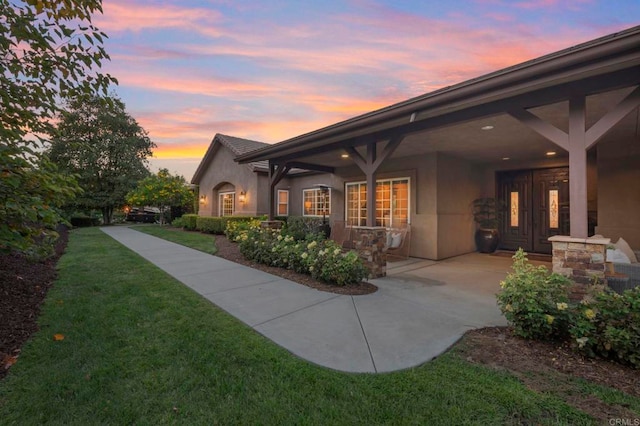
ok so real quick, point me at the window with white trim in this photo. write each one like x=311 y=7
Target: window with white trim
x=283 y=202
x=226 y=203
x=392 y=202
x=315 y=202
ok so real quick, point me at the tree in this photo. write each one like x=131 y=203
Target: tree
x=161 y=190
x=48 y=52
x=97 y=140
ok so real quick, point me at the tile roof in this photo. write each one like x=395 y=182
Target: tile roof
x=241 y=146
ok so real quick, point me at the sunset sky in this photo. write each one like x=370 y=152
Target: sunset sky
x=271 y=70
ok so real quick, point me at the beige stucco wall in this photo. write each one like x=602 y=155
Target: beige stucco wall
x=225 y=174
x=619 y=189
x=459 y=183
x=441 y=191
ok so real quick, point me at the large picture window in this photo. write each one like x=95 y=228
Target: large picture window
x=392 y=202
x=315 y=202
x=283 y=202
x=226 y=203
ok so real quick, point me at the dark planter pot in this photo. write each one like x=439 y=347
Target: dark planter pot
x=487 y=240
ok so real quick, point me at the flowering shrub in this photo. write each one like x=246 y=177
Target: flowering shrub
x=322 y=259
x=235 y=228
x=534 y=301
x=609 y=325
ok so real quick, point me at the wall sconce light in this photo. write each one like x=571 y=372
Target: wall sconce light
x=243 y=197
x=203 y=199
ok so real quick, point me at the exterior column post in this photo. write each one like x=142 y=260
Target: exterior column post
x=578 y=168
x=371 y=184
x=276 y=173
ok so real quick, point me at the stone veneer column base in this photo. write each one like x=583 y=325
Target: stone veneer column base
x=580 y=259
x=370 y=244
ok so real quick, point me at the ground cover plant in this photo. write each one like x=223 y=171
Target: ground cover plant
x=121 y=342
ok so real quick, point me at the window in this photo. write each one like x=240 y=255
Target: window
x=392 y=202
x=514 y=209
x=226 y=203
x=316 y=203
x=283 y=202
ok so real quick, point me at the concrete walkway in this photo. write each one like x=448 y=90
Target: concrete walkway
x=419 y=311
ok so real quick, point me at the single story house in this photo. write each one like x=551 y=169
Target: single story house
x=557 y=139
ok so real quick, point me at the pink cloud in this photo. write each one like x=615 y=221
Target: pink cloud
x=122 y=16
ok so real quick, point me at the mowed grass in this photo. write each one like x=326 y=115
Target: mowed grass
x=196 y=240
x=140 y=348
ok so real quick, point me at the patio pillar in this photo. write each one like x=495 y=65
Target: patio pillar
x=276 y=173
x=369 y=166
x=577 y=142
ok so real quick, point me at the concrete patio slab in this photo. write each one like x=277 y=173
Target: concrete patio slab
x=328 y=334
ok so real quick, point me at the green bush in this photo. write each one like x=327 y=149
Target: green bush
x=81 y=221
x=211 y=225
x=299 y=226
x=179 y=222
x=236 y=227
x=535 y=301
x=322 y=259
x=189 y=221
x=608 y=325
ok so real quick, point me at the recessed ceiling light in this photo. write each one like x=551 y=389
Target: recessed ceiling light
x=345 y=156
x=486 y=127
x=506 y=158
x=551 y=153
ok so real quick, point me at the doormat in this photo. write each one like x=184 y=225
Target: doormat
x=531 y=256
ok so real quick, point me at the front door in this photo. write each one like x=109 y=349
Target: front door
x=536 y=207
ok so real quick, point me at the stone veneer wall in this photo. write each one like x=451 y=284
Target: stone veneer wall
x=580 y=259
x=370 y=243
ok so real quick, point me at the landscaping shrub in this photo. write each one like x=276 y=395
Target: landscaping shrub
x=535 y=301
x=314 y=255
x=235 y=228
x=604 y=323
x=300 y=226
x=211 y=225
x=189 y=221
x=179 y=222
x=81 y=221
x=608 y=325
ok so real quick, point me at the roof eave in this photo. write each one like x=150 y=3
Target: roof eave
x=530 y=71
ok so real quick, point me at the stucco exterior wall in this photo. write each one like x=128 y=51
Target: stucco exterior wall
x=459 y=183
x=619 y=189
x=224 y=173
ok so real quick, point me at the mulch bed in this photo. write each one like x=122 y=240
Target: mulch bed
x=23 y=287
x=230 y=251
x=548 y=367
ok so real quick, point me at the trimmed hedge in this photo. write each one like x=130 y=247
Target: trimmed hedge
x=189 y=221
x=217 y=225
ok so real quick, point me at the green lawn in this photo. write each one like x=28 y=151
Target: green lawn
x=195 y=240
x=140 y=348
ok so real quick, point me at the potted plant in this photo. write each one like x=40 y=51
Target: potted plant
x=487 y=213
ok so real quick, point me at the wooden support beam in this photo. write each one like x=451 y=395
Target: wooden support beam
x=542 y=127
x=371 y=184
x=578 y=168
x=369 y=166
x=276 y=173
x=309 y=166
x=613 y=117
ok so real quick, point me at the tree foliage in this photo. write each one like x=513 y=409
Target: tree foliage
x=108 y=150
x=49 y=51
x=161 y=190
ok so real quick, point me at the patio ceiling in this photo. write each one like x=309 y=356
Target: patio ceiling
x=450 y=120
x=507 y=139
